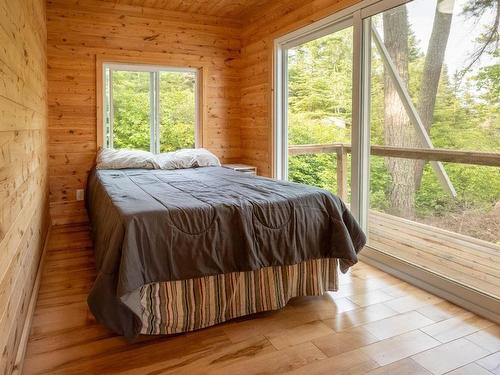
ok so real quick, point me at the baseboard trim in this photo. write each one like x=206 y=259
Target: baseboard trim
x=23 y=343
x=461 y=295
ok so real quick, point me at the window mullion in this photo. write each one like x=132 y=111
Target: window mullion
x=157 y=111
x=111 y=110
x=361 y=121
x=152 y=111
x=284 y=115
x=154 y=95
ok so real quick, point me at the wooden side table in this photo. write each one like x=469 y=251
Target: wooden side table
x=244 y=168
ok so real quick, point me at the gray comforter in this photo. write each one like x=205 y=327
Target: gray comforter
x=157 y=225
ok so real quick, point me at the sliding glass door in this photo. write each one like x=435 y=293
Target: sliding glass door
x=406 y=95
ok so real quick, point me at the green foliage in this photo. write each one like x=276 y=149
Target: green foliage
x=177 y=111
x=380 y=184
x=320 y=88
x=131 y=104
x=316 y=170
x=131 y=110
x=477 y=188
x=320 y=77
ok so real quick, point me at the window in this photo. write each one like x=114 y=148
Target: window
x=409 y=91
x=429 y=90
x=319 y=90
x=150 y=108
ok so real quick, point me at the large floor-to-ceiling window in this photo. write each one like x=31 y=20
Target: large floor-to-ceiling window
x=394 y=105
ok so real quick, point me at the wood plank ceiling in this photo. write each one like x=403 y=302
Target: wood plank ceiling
x=221 y=8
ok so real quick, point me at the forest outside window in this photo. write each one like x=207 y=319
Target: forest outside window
x=445 y=54
x=150 y=108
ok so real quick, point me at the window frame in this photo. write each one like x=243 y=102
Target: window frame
x=154 y=70
x=361 y=14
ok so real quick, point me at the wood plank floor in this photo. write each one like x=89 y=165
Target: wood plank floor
x=376 y=324
x=464 y=259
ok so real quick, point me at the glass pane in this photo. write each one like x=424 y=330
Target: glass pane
x=473 y=212
x=437 y=48
x=319 y=105
x=177 y=110
x=413 y=215
x=457 y=238
x=131 y=109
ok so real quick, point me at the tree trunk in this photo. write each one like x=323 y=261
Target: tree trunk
x=432 y=70
x=398 y=131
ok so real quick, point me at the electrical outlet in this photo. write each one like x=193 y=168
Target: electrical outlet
x=80 y=194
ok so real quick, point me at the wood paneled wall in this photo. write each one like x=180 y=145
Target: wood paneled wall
x=80 y=30
x=221 y=8
x=260 y=29
x=23 y=164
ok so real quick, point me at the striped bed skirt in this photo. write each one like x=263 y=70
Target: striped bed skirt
x=186 y=305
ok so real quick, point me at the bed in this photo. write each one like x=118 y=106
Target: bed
x=179 y=250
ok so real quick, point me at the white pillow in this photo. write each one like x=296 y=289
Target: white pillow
x=187 y=158
x=172 y=160
x=122 y=159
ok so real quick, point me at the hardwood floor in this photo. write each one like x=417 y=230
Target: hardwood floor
x=375 y=324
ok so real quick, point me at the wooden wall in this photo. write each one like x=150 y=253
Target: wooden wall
x=221 y=8
x=260 y=29
x=23 y=164
x=80 y=30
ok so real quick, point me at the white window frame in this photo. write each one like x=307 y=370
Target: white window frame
x=359 y=15
x=154 y=100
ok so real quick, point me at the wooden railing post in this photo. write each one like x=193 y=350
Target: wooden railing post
x=342 y=172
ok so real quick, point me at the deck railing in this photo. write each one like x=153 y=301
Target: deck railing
x=491 y=159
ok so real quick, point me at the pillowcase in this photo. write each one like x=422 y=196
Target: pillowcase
x=187 y=158
x=108 y=158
